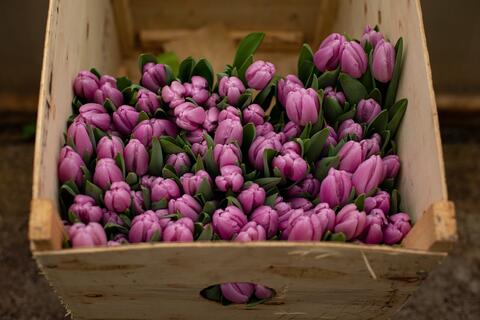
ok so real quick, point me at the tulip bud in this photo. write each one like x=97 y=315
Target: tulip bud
x=191 y=182
x=255 y=152
x=369 y=175
x=108 y=91
x=307 y=187
x=186 y=205
x=350 y=127
x=306 y=228
x=70 y=166
x=174 y=94
x=392 y=166
x=291 y=166
x=380 y=201
x=147 y=129
x=188 y=116
x=264 y=129
x=229 y=131
x=335 y=95
x=85 y=209
x=252 y=231
x=399 y=225
x=144 y=227
x=107 y=79
x=109 y=147
x=374 y=226
x=197 y=89
x=147 y=101
x=262 y=292
x=336 y=187
x=179 y=231
x=372 y=36
x=111 y=217
x=196 y=136
x=164 y=189
x=230 y=113
x=232 y=88
x=118 y=240
x=136 y=157
x=291 y=146
x=154 y=76
x=230 y=178
x=326 y=215
x=291 y=130
x=89 y=235
x=77 y=133
x=284 y=211
x=199 y=149
x=259 y=74
x=251 y=197
x=118 y=198
x=95 y=115
x=85 y=85
x=300 y=203
x=267 y=217
x=227 y=154
x=286 y=85
x=237 y=292
x=302 y=106
x=351 y=155
x=383 y=61
x=371 y=146
x=212 y=101
x=353 y=59
x=228 y=222
x=106 y=173
x=254 y=114
x=138 y=202
x=329 y=52
x=125 y=119
x=180 y=162
x=367 y=110
x=163 y=218
x=147 y=181
x=211 y=119
x=332 y=137
x=350 y=221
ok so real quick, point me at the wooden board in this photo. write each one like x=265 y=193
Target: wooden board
x=313 y=280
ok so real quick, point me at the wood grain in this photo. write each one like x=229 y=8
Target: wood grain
x=45 y=230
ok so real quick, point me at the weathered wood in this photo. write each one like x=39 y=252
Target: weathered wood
x=45 y=229
x=313 y=280
x=124 y=24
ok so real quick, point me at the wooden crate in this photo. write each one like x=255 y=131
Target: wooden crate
x=320 y=280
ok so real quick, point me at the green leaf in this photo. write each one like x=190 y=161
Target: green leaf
x=245 y=99
x=249 y=133
x=145 y=58
x=170 y=59
x=268 y=155
x=247 y=47
x=204 y=69
x=324 y=166
x=142 y=116
x=185 y=69
x=99 y=134
x=72 y=217
x=264 y=97
x=205 y=189
x=131 y=178
x=316 y=145
x=160 y=204
x=210 y=163
x=70 y=187
x=388 y=185
x=353 y=89
x=168 y=171
x=378 y=124
x=270 y=200
x=120 y=163
x=332 y=109
x=206 y=234
x=394 y=202
x=305 y=64
x=212 y=293
x=360 y=202
x=314 y=84
x=96 y=72
x=146 y=197
x=93 y=191
x=367 y=78
x=210 y=206
x=306 y=131
x=347 y=115
x=170 y=145
x=268 y=183
x=155 y=236
x=396 y=113
x=376 y=95
x=113 y=228
x=210 y=142
x=328 y=78
x=338 y=237
x=397 y=70
x=243 y=68
x=123 y=82
x=126 y=220
x=198 y=164
x=231 y=200
x=386 y=140
x=156 y=158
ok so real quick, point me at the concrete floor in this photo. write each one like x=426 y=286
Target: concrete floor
x=451 y=292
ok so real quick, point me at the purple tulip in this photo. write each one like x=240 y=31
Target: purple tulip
x=228 y=222
x=147 y=101
x=255 y=152
x=85 y=85
x=380 y=201
x=136 y=157
x=302 y=106
x=118 y=198
x=291 y=166
x=351 y=155
x=286 y=85
x=163 y=217
x=191 y=182
x=227 y=154
x=109 y=147
x=188 y=116
x=237 y=292
x=350 y=127
x=332 y=137
x=291 y=146
x=367 y=110
x=369 y=175
x=147 y=129
x=329 y=52
x=154 y=76
x=306 y=228
x=164 y=189
x=284 y=211
x=212 y=101
x=230 y=178
x=259 y=74
x=399 y=225
x=254 y=114
x=77 y=133
x=264 y=129
x=138 y=202
x=383 y=61
x=179 y=231
x=108 y=91
x=374 y=225
x=262 y=292
x=371 y=146
x=147 y=181
x=267 y=217
x=211 y=119
x=300 y=203
x=180 y=162
x=197 y=89
x=326 y=215
x=125 y=119
x=230 y=113
x=251 y=197
x=252 y=231
x=350 y=221
x=232 y=88
x=353 y=59
x=111 y=217
x=107 y=79
x=70 y=166
x=118 y=240
x=89 y=235
x=186 y=205
x=95 y=115
x=199 y=149
x=338 y=96
x=291 y=130
x=308 y=186
x=229 y=131
x=174 y=94
x=372 y=36
x=392 y=166
x=144 y=227
x=85 y=209
x=336 y=187
x=106 y=173
x=196 y=136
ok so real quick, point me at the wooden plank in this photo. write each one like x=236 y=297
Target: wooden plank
x=436 y=230
x=458 y=102
x=313 y=280
x=45 y=230
x=124 y=24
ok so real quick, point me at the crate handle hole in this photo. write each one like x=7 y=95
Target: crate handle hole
x=246 y=293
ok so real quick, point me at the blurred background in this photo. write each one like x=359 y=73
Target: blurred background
x=453 y=30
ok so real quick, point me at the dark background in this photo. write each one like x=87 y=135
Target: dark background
x=453 y=33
